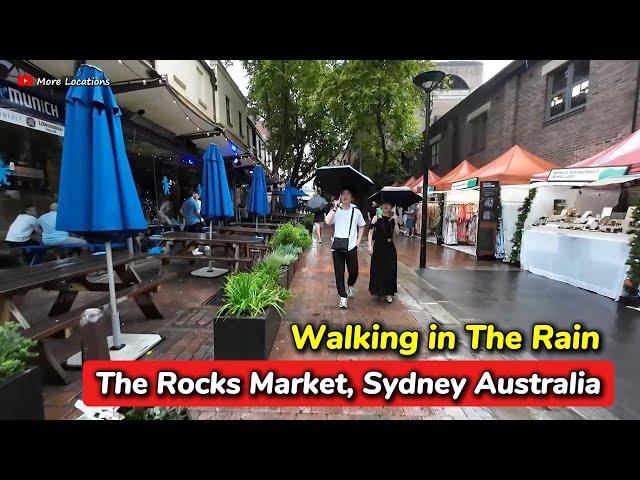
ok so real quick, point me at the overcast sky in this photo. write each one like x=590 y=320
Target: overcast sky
x=491 y=67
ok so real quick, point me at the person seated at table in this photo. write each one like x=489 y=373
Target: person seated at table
x=52 y=237
x=24 y=231
x=165 y=214
x=193 y=222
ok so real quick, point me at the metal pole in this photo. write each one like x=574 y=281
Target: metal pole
x=425 y=185
x=115 y=316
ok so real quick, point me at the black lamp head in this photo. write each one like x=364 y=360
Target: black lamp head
x=430 y=80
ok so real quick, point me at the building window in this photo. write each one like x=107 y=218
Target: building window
x=568 y=87
x=228 y=111
x=248 y=136
x=479 y=132
x=435 y=153
x=240 y=124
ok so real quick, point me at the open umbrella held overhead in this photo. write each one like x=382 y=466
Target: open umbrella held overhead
x=316 y=204
x=216 y=200
x=399 y=196
x=333 y=179
x=97 y=197
x=258 y=203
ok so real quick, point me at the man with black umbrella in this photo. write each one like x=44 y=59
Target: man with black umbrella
x=349 y=228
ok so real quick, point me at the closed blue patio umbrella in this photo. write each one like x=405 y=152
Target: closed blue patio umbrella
x=290 y=196
x=258 y=203
x=97 y=197
x=216 y=199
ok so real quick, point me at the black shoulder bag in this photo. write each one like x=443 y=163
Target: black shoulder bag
x=342 y=244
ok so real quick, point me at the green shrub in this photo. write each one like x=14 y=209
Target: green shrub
x=292 y=234
x=307 y=221
x=157 y=413
x=15 y=350
x=249 y=294
x=279 y=258
x=288 y=251
x=270 y=269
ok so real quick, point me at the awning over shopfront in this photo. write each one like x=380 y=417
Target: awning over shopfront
x=409 y=182
x=513 y=167
x=626 y=152
x=464 y=170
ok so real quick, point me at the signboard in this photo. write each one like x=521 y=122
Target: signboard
x=24 y=107
x=488 y=219
x=588 y=174
x=472 y=182
x=431 y=189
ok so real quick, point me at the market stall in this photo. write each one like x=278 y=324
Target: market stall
x=580 y=225
x=461 y=219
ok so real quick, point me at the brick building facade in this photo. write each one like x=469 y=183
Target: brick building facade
x=560 y=110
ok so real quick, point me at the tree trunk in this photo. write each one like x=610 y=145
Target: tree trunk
x=385 y=154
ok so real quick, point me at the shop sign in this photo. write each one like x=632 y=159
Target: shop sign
x=431 y=189
x=471 y=183
x=588 y=174
x=27 y=102
x=23 y=120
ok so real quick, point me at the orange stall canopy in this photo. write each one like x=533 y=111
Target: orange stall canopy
x=416 y=186
x=409 y=182
x=513 y=167
x=626 y=152
x=464 y=170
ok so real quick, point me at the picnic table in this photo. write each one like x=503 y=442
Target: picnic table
x=267 y=233
x=69 y=277
x=286 y=216
x=217 y=239
x=252 y=224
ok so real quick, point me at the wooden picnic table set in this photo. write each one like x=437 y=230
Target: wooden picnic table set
x=69 y=277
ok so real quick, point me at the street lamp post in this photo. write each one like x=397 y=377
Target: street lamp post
x=427 y=81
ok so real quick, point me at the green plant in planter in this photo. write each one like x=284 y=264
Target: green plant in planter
x=157 y=413
x=269 y=268
x=250 y=294
x=288 y=250
x=291 y=234
x=278 y=257
x=15 y=351
x=632 y=283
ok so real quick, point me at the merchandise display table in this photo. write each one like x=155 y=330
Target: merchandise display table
x=594 y=261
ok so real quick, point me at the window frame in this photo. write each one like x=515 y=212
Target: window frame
x=228 y=106
x=240 y=124
x=474 y=121
x=567 y=91
x=435 y=145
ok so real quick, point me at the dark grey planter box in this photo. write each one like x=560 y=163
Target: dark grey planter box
x=244 y=338
x=630 y=300
x=21 y=396
x=286 y=276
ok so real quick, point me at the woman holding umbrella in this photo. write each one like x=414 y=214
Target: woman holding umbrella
x=384 y=259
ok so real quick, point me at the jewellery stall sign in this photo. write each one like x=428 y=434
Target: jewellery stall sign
x=463 y=184
x=588 y=174
x=21 y=107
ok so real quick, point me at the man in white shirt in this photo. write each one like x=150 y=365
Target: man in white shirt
x=23 y=227
x=349 y=223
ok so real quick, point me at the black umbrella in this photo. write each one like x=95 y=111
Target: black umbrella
x=398 y=196
x=316 y=204
x=334 y=179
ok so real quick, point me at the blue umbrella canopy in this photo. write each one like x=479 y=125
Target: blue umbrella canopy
x=289 y=196
x=258 y=203
x=97 y=195
x=216 y=197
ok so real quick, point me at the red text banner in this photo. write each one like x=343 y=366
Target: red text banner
x=348 y=383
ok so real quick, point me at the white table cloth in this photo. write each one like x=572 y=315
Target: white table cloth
x=594 y=261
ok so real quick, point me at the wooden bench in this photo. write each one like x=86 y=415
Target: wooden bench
x=166 y=257
x=139 y=292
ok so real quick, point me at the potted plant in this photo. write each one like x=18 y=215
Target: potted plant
x=307 y=221
x=631 y=295
x=278 y=264
x=156 y=413
x=249 y=318
x=20 y=384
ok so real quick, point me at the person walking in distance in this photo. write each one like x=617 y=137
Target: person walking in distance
x=318 y=220
x=349 y=227
x=384 y=259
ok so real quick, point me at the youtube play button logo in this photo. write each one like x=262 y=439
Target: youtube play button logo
x=25 y=80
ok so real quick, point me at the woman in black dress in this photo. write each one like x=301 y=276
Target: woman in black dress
x=384 y=260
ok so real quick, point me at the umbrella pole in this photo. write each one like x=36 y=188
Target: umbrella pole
x=130 y=244
x=115 y=316
x=210 y=245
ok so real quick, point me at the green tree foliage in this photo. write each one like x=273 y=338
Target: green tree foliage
x=633 y=277
x=517 y=236
x=306 y=130
x=318 y=109
x=380 y=102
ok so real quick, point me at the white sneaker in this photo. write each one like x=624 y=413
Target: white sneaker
x=389 y=299
x=197 y=252
x=343 y=302
x=351 y=292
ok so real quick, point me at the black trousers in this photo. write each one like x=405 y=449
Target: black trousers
x=349 y=258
